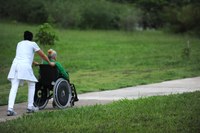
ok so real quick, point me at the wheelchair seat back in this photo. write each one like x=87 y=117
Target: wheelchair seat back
x=48 y=74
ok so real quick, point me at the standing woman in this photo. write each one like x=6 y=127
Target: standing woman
x=21 y=70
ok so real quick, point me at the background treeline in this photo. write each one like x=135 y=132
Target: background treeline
x=175 y=15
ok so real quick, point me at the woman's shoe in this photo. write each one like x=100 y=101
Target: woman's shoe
x=32 y=110
x=11 y=113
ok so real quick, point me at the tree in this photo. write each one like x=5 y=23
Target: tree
x=151 y=12
x=46 y=35
x=183 y=18
x=32 y=11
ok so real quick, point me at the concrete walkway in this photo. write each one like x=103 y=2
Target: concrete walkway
x=103 y=97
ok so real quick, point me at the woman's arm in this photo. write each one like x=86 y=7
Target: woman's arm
x=43 y=56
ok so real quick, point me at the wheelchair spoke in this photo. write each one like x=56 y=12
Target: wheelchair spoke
x=62 y=93
x=40 y=98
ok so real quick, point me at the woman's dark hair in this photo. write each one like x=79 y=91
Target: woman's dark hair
x=28 y=35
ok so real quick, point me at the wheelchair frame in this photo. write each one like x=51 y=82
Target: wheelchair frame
x=50 y=85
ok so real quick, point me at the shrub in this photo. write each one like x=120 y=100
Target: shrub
x=37 y=13
x=46 y=35
x=32 y=11
x=98 y=15
x=183 y=19
x=90 y=14
x=129 y=19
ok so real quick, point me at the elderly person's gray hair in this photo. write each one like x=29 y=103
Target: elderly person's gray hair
x=52 y=54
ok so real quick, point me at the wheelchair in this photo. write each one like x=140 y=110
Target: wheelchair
x=51 y=85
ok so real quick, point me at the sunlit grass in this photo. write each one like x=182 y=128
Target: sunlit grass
x=174 y=113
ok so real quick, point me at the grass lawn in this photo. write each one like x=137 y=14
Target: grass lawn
x=102 y=60
x=170 y=114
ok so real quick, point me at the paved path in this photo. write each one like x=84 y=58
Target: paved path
x=164 y=88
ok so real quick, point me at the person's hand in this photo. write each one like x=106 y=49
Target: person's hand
x=52 y=64
x=36 y=63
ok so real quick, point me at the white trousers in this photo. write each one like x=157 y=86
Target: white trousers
x=13 y=92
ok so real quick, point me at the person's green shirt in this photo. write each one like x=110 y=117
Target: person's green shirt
x=62 y=72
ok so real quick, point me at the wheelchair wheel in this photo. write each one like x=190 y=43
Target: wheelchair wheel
x=41 y=96
x=62 y=93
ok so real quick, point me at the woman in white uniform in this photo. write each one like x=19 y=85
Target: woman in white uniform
x=21 y=70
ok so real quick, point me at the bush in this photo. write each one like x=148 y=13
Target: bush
x=183 y=19
x=91 y=14
x=38 y=13
x=45 y=35
x=32 y=11
x=66 y=15
x=87 y=14
x=129 y=19
x=98 y=15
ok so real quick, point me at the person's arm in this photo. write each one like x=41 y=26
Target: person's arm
x=62 y=70
x=43 y=56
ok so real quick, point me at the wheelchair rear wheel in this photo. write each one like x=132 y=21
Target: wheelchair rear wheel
x=62 y=93
x=41 y=96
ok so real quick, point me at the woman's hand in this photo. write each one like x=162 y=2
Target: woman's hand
x=52 y=64
x=35 y=63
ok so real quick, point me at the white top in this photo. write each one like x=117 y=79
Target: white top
x=22 y=63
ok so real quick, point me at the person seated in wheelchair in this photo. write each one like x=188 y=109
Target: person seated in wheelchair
x=52 y=55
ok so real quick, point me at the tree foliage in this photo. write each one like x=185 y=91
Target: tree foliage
x=184 y=18
x=31 y=11
x=177 y=15
x=46 y=35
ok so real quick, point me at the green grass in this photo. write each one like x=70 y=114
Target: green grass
x=171 y=114
x=102 y=60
